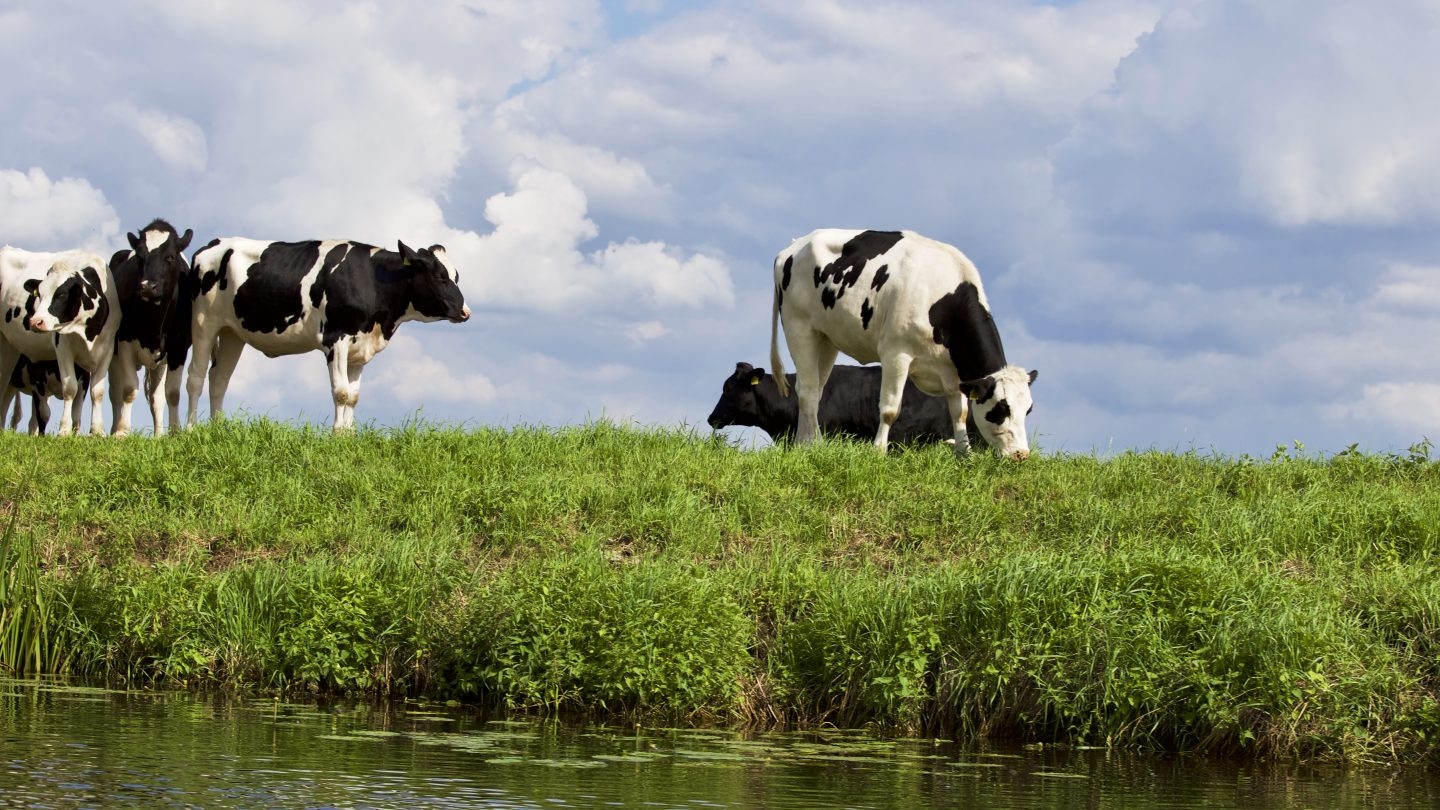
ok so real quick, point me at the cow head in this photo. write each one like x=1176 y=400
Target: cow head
x=69 y=299
x=161 y=253
x=999 y=403
x=434 y=285
x=738 y=404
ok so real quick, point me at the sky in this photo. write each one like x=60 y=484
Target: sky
x=1208 y=224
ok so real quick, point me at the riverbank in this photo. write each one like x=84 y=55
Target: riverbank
x=1280 y=607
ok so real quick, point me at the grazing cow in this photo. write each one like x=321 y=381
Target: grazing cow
x=917 y=307
x=154 y=331
x=62 y=307
x=345 y=299
x=849 y=407
x=41 y=380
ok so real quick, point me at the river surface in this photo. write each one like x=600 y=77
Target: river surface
x=63 y=746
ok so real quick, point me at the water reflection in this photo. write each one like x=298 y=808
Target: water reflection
x=62 y=747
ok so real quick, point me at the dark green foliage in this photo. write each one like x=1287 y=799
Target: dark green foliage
x=1288 y=606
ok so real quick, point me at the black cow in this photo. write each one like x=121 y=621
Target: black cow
x=41 y=380
x=345 y=299
x=154 y=329
x=849 y=407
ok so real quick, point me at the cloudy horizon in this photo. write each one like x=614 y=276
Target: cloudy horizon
x=1209 y=224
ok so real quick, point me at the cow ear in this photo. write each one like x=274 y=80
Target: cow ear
x=31 y=284
x=134 y=241
x=406 y=254
x=1033 y=374
x=978 y=390
x=756 y=375
x=185 y=240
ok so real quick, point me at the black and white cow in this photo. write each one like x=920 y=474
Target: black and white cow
x=154 y=329
x=41 y=380
x=917 y=307
x=345 y=299
x=62 y=307
x=849 y=407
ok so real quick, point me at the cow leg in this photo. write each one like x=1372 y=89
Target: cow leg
x=341 y=390
x=123 y=385
x=356 y=369
x=39 y=413
x=9 y=359
x=96 y=384
x=894 y=371
x=156 y=378
x=959 y=411
x=69 y=387
x=814 y=357
x=228 y=346
x=174 y=379
x=15 y=416
x=202 y=344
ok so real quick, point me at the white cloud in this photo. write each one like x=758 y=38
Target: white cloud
x=410 y=374
x=38 y=213
x=1412 y=407
x=645 y=331
x=1291 y=112
x=533 y=258
x=176 y=140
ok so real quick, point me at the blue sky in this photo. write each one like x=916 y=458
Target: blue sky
x=1207 y=223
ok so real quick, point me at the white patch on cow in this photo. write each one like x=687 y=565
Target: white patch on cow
x=154 y=240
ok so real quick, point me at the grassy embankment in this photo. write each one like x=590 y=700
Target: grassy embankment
x=1289 y=606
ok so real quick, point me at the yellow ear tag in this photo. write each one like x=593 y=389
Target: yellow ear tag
x=754 y=380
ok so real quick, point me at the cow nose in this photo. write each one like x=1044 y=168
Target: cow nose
x=1020 y=455
x=36 y=324
x=147 y=291
x=464 y=313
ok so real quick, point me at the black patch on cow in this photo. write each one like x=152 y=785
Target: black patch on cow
x=843 y=273
x=998 y=414
x=785 y=272
x=94 y=291
x=270 y=299
x=68 y=298
x=980 y=389
x=963 y=325
x=866 y=313
x=881 y=276
x=204 y=282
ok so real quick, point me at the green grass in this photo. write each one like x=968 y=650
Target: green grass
x=1280 y=607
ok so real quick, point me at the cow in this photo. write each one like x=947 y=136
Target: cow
x=912 y=304
x=154 y=331
x=849 y=407
x=62 y=307
x=41 y=380
x=343 y=298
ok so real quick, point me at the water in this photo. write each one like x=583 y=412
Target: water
x=68 y=747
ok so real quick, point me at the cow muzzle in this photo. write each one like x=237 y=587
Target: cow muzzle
x=38 y=324
x=1018 y=455
x=149 y=292
x=464 y=314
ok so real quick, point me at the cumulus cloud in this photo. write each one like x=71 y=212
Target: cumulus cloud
x=412 y=375
x=176 y=140
x=533 y=257
x=39 y=213
x=1290 y=113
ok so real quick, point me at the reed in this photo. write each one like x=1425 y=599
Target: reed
x=1287 y=606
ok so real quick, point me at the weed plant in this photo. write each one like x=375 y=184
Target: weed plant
x=1287 y=606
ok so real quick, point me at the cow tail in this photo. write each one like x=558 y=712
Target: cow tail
x=777 y=366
